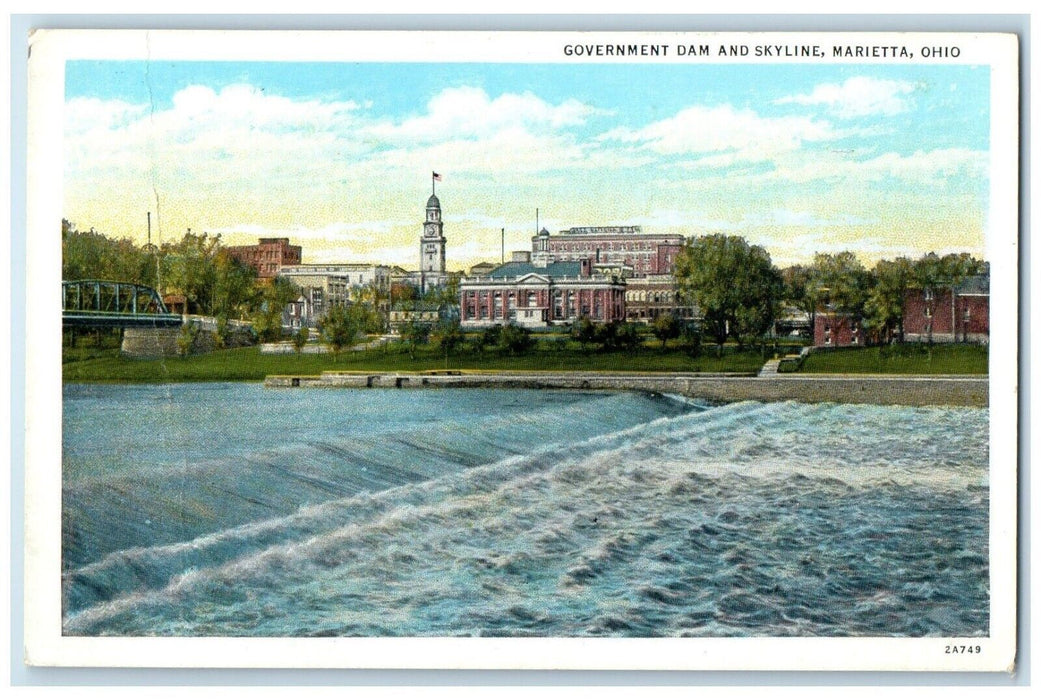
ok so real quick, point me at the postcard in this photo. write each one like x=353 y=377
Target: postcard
x=522 y=350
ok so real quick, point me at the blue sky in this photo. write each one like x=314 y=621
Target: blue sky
x=882 y=160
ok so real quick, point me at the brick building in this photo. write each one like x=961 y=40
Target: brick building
x=268 y=256
x=837 y=330
x=648 y=297
x=533 y=295
x=961 y=314
x=646 y=254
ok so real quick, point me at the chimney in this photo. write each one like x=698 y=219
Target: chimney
x=520 y=256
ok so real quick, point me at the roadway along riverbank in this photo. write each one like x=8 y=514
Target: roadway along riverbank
x=960 y=390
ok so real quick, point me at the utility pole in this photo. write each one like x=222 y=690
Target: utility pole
x=502 y=253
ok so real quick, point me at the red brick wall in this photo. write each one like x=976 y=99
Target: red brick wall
x=967 y=320
x=666 y=259
x=268 y=256
x=837 y=331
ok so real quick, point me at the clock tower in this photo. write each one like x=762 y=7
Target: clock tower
x=432 y=246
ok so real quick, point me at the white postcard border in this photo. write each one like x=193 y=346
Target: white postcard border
x=45 y=644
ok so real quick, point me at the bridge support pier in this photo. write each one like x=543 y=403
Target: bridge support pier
x=161 y=342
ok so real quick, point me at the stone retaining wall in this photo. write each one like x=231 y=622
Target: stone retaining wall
x=882 y=390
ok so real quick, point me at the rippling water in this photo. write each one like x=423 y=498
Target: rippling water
x=228 y=509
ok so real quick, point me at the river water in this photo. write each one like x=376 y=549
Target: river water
x=230 y=509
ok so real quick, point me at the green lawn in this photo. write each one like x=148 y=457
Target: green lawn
x=247 y=364
x=911 y=358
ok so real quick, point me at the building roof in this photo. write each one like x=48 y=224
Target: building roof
x=555 y=269
x=433 y=202
x=977 y=284
x=601 y=230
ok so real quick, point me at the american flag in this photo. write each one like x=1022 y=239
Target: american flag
x=437 y=177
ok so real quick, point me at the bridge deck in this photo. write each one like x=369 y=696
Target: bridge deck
x=88 y=319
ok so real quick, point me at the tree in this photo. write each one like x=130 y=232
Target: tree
x=446 y=294
x=691 y=339
x=884 y=308
x=377 y=298
x=666 y=327
x=234 y=287
x=402 y=292
x=189 y=268
x=606 y=335
x=300 y=338
x=267 y=321
x=514 y=339
x=92 y=255
x=733 y=284
x=584 y=331
x=802 y=291
x=449 y=337
x=489 y=337
x=415 y=333
x=627 y=336
x=186 y=338
x=842 y=281
x=340 y=327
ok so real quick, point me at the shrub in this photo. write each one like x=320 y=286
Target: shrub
x=186 y=338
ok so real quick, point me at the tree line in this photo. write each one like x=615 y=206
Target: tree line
x=741 y=294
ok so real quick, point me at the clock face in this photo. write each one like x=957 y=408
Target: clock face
x=431 y=230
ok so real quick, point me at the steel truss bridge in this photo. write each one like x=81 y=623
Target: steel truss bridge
x=105 y=304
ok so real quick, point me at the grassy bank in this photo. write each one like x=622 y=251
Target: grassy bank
x=248 y=364
x=917 y=358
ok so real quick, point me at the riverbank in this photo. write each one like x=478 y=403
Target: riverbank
x=863 y=389
x=93 y=364
x=249 y=364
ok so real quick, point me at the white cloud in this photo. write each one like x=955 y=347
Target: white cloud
x=245 y=163
x=925 y=168
x=85 y=114
x=727 y=135
x=858 y=97
x=468 y=112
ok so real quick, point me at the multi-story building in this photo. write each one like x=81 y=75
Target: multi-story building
x=338 y=284
x=531 y=294
x=304 y=312
x=645 y=254
x=837 y=330
x=961 y=314
x=650 y=296
x=268 y=256
x=418 y=312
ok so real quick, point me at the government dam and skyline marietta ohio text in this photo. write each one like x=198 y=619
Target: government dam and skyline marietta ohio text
x=766 y=51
